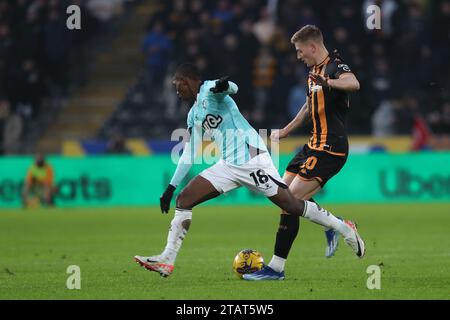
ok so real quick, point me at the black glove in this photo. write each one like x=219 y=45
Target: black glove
x=164 y=200
x=221 y=85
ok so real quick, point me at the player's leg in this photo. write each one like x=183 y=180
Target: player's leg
x=269 y=182
x=310 y=210
x=209 y=184
x=302 y=189
x=313 y=212
x=290 y=224
x=48 y=195
x=25 y=196
x=260 y=174
x=198 y=190
x=305 y=189
x=313 y=169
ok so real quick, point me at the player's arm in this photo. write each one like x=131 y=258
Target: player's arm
x=343 y=78
x=346 y=82
x=183 y=167
x=299 y=119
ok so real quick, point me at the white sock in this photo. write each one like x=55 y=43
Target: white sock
x=176 y=235
x=315 y=213
x=277 y=263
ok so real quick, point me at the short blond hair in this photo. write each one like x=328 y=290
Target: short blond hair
x=308 y=32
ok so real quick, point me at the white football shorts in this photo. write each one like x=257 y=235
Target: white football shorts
x=258 y=174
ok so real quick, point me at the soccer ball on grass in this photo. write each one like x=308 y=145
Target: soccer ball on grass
x=247 y=261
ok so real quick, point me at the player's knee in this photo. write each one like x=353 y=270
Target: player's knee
x=296 y=207
x=184 y=200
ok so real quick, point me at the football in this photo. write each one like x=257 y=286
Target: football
x=247 y=261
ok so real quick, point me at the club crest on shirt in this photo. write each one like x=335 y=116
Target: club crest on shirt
x=316 y=88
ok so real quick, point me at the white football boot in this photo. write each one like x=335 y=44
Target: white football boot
x=355 y=241
x=155 y=263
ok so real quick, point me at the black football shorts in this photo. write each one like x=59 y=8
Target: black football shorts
x=312 y=164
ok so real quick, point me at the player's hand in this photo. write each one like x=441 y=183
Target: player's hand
x=319 y=79
x=279 y=134
x=221 y=85
x=164 y=200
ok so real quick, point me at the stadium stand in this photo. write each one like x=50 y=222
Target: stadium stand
x=255 y=51
x=44 y=67
x=114 y=78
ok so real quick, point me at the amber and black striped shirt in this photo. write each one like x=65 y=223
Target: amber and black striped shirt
x=328 y=109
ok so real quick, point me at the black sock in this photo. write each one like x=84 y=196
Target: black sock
x=287 y=232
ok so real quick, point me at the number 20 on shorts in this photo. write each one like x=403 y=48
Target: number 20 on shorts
x=309 y=164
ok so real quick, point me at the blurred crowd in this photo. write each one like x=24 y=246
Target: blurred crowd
x=40 y=56
x=403 y=68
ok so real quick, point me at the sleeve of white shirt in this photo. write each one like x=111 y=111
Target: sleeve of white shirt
x=187 y=157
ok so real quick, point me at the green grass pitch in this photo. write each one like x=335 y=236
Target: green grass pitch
x=411 y=243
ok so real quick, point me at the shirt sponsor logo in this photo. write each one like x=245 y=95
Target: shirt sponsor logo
x=211 y=122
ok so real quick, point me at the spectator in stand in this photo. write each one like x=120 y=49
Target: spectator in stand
x=57 y=44
x=105 y=10
x=282 y=86
x=247 y=55
x=225 y=37
x=36 y=55
x=27 y=88
x=297 y=97
x=223 y=12
x=12 y=127
x=383 y=120
x=439 y=119
x=264 y=28
x=157 y=49
x=405 y=113
x=233 y=62
x=4 y=109
x=6 y=54
x=264 y=73
x=117 y=145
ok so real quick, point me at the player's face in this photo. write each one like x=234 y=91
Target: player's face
x=183 y=88
x=305 y=52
